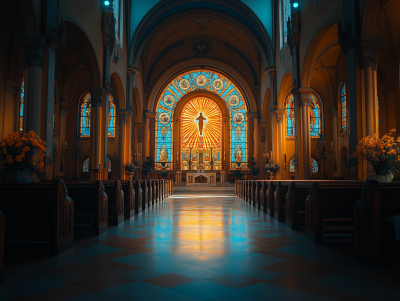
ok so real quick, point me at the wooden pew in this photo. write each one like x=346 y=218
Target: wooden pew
x=91 y=205
x=329 y=201
x=138 y=197
x=150 y=192
x=374 y=237
x=44 y=209
x=295 y=201
x=263 y=196
x=280 y=200
x=2 y=231
x=257 y=194
x=145 y=194
x=129 y=198
x=270 y=198
x=159 y=199
x=115 y=202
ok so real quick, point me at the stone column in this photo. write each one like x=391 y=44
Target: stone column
x=334 y=114
x=280 y=151
x=264 y=148
x=123 y=116
x=139 y=153
x=97 y=95
x=131 y=151
x=305 y=135
x=35 y=47
x=369 y=62
x=11 y=108
x=63 y=138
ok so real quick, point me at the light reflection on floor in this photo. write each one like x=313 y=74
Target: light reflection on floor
x=199 y=245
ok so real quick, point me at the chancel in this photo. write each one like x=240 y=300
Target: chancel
x=199 y=150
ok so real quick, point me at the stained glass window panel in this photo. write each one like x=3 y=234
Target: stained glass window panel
x=197 y=80
x=109 y=165
x=116 y=15
x=314 y=166
x=287 y=11
x=291 y=164
x=85 y=165
x=111 y=117
x=85 y=115
x=315 y=117
x=343 y=106
x=21 y=106
x=290 y=117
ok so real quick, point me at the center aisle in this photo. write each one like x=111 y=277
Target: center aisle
x=200 y=244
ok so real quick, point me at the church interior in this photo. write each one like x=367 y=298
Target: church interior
x=200 y=150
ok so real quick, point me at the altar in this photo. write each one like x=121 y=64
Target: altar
x=201 y=178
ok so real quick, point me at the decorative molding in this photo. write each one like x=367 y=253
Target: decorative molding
x=201 y=20
x=280 y=114
x=35 y=47
x=150 y=115
x=84 y=8
x=139 y=129
x=11 y=86
x=97 y=97
x=252 y=115
x=123 y=116
x=130 y=108
x=368 y=52
x=132 y=69
x=271 y=70
x=318 y=8
x=285 y=57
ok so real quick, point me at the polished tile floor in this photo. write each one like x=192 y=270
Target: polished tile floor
x=199 y=244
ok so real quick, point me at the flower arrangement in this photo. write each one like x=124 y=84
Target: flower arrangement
x=132 y=167
x=146 y=167
x=164 y=173
x=382 y=154
x=23 y=154
x=254 y=168
x=237 y=174
x=271 y=167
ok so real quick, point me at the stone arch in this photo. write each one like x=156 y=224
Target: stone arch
x=208 y=64
x=118 y=90
x=371 y=13
x=138 y=105
x=285 y=89
x=151 y=22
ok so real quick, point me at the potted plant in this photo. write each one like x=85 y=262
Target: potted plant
x=382 y=155
x=146 y=167
x=23 y=157
x=237 y=174
x=131 y=169
x=272 y=169
x=254 y=168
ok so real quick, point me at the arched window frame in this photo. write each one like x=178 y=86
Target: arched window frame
x=85 y=108
x=111 y=117
x=315 y=116
x=21 y=106
x=86 y=165
x=314 y=166
x=290 y=117
x=291 y=165
x=343 y=109
x=285 y=12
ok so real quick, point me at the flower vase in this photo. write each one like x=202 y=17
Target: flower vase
x=21 y=176
x=130 y=175
x=271 y=175
x=382 y=178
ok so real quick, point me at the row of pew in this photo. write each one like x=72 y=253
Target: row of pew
x=357 y=210
x=52 y=213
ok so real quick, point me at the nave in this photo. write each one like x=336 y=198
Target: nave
x=200 y=244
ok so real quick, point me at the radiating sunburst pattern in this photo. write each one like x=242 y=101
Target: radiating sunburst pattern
x=190 y=132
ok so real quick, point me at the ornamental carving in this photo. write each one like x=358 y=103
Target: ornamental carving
x=318 y=8
x=84 y=7
x=286 y=58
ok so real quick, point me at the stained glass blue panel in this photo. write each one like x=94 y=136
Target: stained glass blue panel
x=291 y=164
x=290 y=117
x=343 y=106
x=109 y=165
x=111 y=117
x=21 y=106
x=315 y=117
x=314 y=166
x=85 y=115
x=85 y=165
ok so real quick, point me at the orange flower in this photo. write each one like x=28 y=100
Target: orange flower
x=3 y=144
x=9 y=159
x=26 y=149
x=18 y=158
x=4 y=151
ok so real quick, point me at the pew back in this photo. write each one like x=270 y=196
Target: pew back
x=129 y=197
x=115 y=201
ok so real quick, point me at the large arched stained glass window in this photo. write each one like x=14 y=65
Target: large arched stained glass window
x=205 y=151
x=108 y=165
x=291 y=164
x=21 y=105
x=314 y=166
x=290 y=117
x=85 y=165
x=287 y=11
x=315 y=117
x=85 y=115
x=111 y=117
x=343 y=108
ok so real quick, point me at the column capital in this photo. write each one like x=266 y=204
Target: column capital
x=271 y=70
x=132 y=69
x=11 y=86
x=97 y=95
x=333 y=112
x=64 y=111
x=150 y=115
x=252 y=115
x=35 y=47
x=123 y=115
x=368 y=52
x=279 y=116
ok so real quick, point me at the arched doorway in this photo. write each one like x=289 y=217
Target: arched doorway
x=201 y=121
